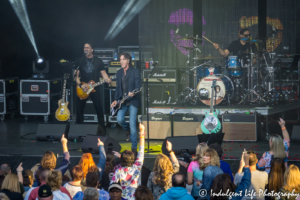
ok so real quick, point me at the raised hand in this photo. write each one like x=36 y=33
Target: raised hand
x=246 y=157
x=20 y=168
x=142 y=130
x=63 y=139
x=216 y=46
x=117 y=154
x=281 y=122
x=168 y=146
x=99 y=142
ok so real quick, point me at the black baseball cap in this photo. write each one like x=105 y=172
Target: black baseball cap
x=44 y=191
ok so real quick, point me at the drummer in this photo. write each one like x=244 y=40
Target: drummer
x=239 y=47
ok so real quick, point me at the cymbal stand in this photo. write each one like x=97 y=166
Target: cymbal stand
x=187 y=63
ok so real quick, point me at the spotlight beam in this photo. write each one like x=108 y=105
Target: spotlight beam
x=20 y=9
x=129 y=10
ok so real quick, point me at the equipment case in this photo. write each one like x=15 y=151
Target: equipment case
x=9 y=100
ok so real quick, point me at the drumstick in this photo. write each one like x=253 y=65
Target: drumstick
x=207 y=39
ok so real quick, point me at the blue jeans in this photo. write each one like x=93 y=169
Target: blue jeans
x=132 y=122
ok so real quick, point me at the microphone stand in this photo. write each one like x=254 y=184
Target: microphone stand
x=147 y=99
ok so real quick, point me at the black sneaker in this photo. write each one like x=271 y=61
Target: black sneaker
x=127 y=136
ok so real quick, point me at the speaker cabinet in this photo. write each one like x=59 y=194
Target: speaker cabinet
x=79 y=131
x=187 y=125
x=159 y=126
x=159 y=94
x=51 y=132
x=89 y=144
x=295 y=133
x=181 y=145
x=240 y=127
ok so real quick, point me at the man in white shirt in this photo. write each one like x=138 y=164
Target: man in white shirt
x=259 y=179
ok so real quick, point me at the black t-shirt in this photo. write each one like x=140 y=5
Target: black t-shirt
x=237 y=49
x=90 y=68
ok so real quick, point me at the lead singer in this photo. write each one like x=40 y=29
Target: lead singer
x=128 y=79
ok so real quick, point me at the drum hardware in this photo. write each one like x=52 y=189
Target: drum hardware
x=187 y=48
x=209 y=57
x=190 y=38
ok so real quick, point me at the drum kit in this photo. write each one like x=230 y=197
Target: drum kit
x=246 y=79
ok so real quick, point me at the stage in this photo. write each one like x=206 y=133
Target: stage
x=29 y=151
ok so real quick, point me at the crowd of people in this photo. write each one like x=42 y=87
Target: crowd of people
x=206 y=176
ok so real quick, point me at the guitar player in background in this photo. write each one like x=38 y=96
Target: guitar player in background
x=90 y=68
x=128 y=80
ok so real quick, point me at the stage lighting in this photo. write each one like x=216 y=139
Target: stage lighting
x=40 y=60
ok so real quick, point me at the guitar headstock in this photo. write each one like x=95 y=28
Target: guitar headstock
x=66 y=76
x=137 y=90
x=113 y=77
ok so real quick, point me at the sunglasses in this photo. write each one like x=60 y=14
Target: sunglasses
x=247 y=35
x=115 y=191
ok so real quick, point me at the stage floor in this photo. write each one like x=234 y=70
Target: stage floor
x=14 y=149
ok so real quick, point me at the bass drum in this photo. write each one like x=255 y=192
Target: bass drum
x=224 y=88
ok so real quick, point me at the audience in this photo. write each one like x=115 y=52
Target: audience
x=160 y=180
x=49 y=160
x=91 y=194
x=276 y=177
x=194 y=173
x=291 y=183
x=143 y=193
x=3 y=196
x=259 y=179
x=223 y=165
x=278 y=148
x=5 y=169
x=129 y=175
x=88 y=165
x=178 y=190
x=54 y=180
x=27 y=180
x=115 y=192
x=11 y=187
x=108 y=170
x=211 y=169
x=75 y=186
x=32 y=194
x=92 y=182
x=1 y=180
x=223 y=184
x=45 y=193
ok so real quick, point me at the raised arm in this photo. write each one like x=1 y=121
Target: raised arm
x=223 y=53
x=140 y=157
x=285 y=133
x=102 y=158
x=242 y=163
x=19 y=173
x=66 y=160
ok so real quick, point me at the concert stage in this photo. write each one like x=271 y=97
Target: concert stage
x=28 y=150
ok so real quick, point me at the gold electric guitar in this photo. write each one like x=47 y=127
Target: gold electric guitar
x=91 y=85
x=63 y=113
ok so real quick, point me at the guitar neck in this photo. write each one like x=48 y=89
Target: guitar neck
x=99 y=83
x=124 y=99
x=64 y=91
x=212 y=100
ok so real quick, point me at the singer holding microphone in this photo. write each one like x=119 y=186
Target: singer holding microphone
x=128 y=79
x=89 y=68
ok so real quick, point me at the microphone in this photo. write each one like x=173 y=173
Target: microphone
x=85 y=53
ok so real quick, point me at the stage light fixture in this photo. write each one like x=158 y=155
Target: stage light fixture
x=129 y=10
x=40 y=60
x=20 y=9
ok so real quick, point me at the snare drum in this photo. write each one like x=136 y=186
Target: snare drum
x=233 y=62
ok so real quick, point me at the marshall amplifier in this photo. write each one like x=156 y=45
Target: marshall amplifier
x=159 y=126
x=241 y=127
x=187 y=125
x=105 y=54
x=160 y=75
x=160 y=94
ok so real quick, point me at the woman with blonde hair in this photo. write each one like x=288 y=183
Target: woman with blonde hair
x=211 y=168
x=278 y=149
x=3 y=196
x=54 y=180
x=194 y=173
x=11 y=187
x=291 y=183
x=160 y=180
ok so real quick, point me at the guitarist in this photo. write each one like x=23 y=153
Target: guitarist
x=90 y=68
x=128 y=79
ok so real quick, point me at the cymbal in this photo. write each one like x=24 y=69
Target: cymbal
x=208 y=58
x=254 y=52
x=189 y=38
x=187 y=48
